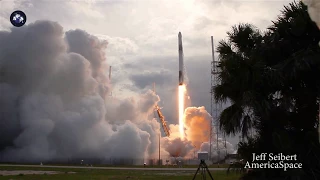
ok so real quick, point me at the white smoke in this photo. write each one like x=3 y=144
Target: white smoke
x=177 y=147
x=224 y=148
x=197 y=130
x=54 y=104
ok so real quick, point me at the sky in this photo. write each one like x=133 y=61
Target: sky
x=142 y=38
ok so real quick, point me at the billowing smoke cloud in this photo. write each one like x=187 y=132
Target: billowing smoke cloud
x=54 y=102
x=224 y=148
x=197 y=124
x=55 y=105
x=178 y=147
x=175 y=146
x=91 y=48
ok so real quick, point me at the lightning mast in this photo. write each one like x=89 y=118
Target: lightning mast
x=215 y=109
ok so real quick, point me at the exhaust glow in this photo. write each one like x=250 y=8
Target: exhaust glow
x=182 y=90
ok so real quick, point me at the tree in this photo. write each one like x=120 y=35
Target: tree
x=239 y=70
x=270 y=80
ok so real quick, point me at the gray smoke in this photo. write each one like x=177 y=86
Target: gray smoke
x=224 y=148
x=177 y=147
x=55 y=105
x=54 y=102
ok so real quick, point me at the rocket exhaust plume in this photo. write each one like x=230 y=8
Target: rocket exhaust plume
x=182 y=87
x=55 y=105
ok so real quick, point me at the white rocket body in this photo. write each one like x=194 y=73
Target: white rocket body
x=181 y=73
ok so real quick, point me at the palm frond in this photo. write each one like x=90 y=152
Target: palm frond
x=244 y=38
x=230 y=119
x=247 y=124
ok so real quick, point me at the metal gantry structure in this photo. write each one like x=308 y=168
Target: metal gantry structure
x=215 y=110
x=163 y=121
x=161 y=117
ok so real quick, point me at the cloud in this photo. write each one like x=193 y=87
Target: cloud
x=149 y=77
x=142 y=46
x=224 y=147
x=197 y=124
x=178 y=147
x=10 y=125
x=80 y=42
x=49 y=44
x=119 y=46
x=55 y=108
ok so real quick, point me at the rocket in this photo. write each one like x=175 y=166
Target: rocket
x=181 y=74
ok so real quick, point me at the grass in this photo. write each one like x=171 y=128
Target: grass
x=99 y=174
x=139 y=166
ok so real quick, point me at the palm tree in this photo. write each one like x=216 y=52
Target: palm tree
x=269 y=78
x=241 y=72
x=259 y=72
x=246 y=148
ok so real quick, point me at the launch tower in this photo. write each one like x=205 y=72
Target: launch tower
x=215 y=110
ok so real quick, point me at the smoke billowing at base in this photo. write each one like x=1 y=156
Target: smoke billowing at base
x=55 y=105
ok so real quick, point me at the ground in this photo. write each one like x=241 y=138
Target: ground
x=50 y=173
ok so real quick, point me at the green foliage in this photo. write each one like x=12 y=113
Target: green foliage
x=271 y=80
x=247 y=148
